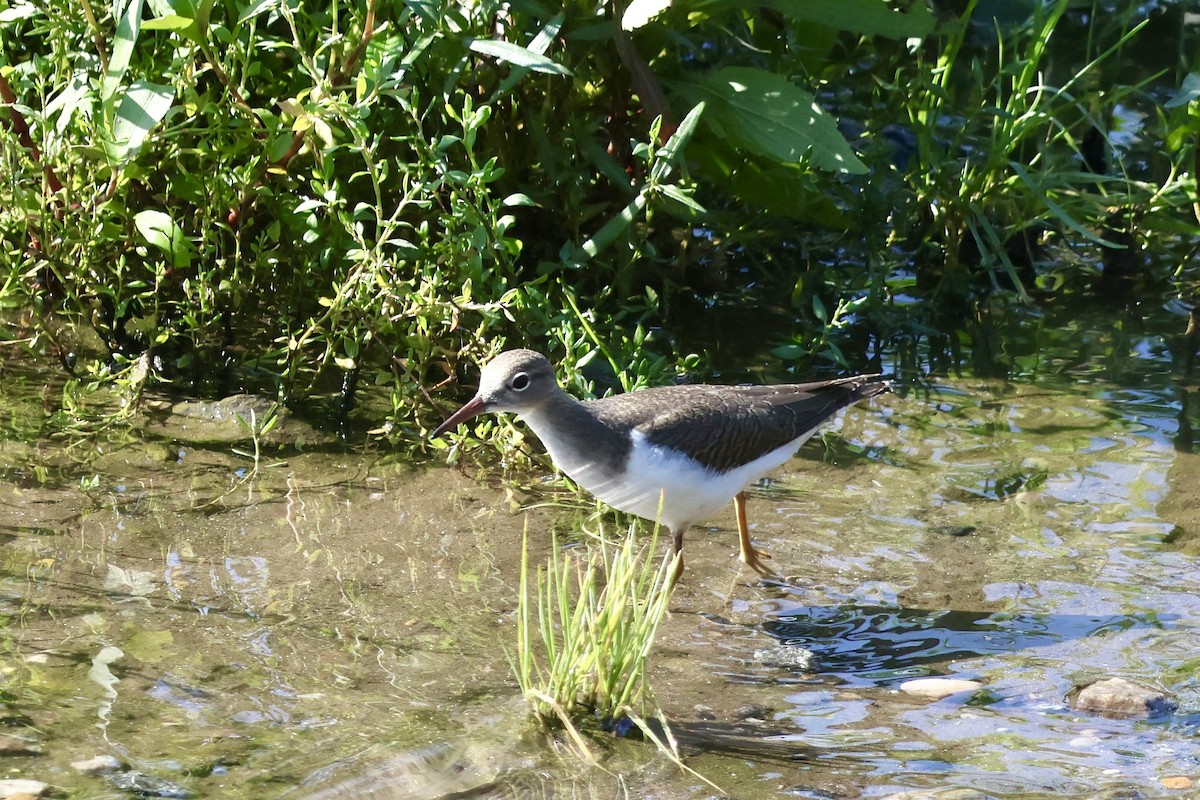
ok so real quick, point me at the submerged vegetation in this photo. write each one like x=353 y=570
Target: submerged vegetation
x=305 y=200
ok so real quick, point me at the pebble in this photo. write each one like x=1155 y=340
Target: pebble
x=1117 y=697
x=753 y=712
x=144 y=785
x=784 y=656
x=1084 y=741
x=21 y=788
x=937 y=688
x=1176 y=782
x=17 y=746
x=97 y=765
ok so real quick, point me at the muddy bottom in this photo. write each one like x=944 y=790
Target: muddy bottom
x=333 y=626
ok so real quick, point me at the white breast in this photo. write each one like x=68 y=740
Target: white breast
x=689 y=491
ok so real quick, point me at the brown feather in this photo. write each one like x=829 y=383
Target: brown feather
x=726 y=426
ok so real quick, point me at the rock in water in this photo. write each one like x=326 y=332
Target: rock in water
x=1117 y=697
x=786 y=656
x=937 y=688
x=96 y=766
x=14 y=788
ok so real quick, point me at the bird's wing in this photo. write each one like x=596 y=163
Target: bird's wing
x=726 y=426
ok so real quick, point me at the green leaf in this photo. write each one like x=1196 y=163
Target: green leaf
x=546 y=36
x=202 y=13
x=790 y=352
x=518 y=199
x=143 y=106
x=256 y=8
x=767 y=114
x=538 y=45
x=122 y=49
x=171 y=22
x=157 y=228
x=75 y=100
x=640 y=12
x=678 y=196
x=19 y=12
x=783 y=189
x=608 y=233
x=674 y=146
x=1189 y=91
x=819 y=310
x=518 y=56
x=187 y=18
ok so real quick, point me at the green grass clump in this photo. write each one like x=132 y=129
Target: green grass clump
x=582 y=654
x=596 y=620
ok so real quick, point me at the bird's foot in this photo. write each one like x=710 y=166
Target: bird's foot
x=753 y=558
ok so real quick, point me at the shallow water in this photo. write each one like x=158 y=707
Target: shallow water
x=336 y=624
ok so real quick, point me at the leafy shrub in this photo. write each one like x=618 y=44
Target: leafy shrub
x=301 y=198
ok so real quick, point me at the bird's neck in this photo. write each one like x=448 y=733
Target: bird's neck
x=575 y=438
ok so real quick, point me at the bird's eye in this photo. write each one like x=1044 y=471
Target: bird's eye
x=520 y=382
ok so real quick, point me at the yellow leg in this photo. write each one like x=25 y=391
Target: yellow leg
x=751 y=556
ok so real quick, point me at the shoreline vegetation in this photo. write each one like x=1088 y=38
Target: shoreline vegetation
x=312 y=202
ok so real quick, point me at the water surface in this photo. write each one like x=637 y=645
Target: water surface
x=336 y=624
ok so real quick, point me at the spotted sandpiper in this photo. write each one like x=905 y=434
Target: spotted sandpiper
x=675 y=453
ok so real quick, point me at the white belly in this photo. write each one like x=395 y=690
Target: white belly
x=687 y=490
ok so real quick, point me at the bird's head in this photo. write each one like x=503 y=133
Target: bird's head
x=515 y=380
